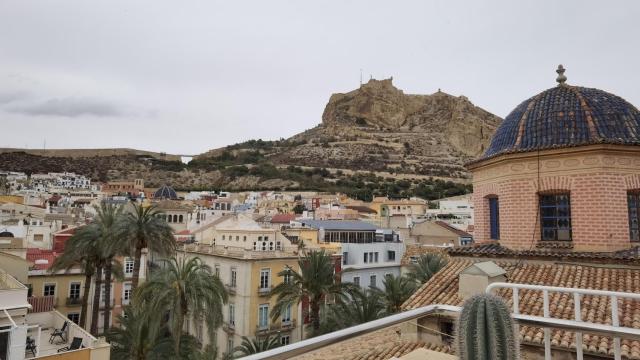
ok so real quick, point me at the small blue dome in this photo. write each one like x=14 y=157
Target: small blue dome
x=566 y=116
x=165 y=192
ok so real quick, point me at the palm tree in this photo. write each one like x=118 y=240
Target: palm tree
x=426 y=266
x=107 y=222
x=144 y=228
x=80 y=251
x=315 y=281
x=185 y=288
x=397 y=289
x=256 y=345
x=140 y=336
x=357 y=308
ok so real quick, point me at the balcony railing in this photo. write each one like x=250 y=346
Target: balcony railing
x=231 y=289
x=578 y=326
x=42 y=303
x=229 y=328
x=112 y=302
x=74 y=301
x=275 y=328
x=264 y=291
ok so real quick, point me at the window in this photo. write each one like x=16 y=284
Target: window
x=287 y=276
x=264 y=278
x=74 y=317
x=285 y=340
x=271 y=246
x=230 y=344
x=376 y=256
x=391 y=255
x=38 y=237
x=237 y=237
x=234 y=277
x=222 y=237
x=49 y=289
x=372 y=280
x=494 y=218
x=286 y=315
x=278 y=245
x=263 y=316
x=103 y=293
x=356 y=280
x=180 y=219
x=366 y=258
x=128 y=266
x=633 y=200
x=447 y=332
x=126 y=294
x=244 y=238
x=555 y=217
x=74 y=290
x=217 y=270
x=345 y=258
x=264 y=246
x=232 y=314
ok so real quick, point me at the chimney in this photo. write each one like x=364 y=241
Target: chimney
x=475 y=279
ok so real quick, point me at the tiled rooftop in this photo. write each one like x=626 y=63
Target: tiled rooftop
x=443 y=289
x=393 y=349
x=557 y=253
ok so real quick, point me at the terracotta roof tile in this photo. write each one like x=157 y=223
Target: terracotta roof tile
x=282 y=218
x=453 y=229
x=443 y=289
x=398 y=349
x=415 y=250
x=556 y=252
x=34 y=254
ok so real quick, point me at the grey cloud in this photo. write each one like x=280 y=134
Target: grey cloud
x=7 y=97
x=69 y=107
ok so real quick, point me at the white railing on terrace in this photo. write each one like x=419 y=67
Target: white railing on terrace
x=577 y=325
x=240 y=252
x=546 y=322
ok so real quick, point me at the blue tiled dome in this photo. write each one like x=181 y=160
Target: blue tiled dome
x=165 y=192
x=566 y=116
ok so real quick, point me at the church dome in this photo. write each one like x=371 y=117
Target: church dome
x=165 y=192
x=566 y=116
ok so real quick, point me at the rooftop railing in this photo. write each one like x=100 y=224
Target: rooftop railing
x=578 y=326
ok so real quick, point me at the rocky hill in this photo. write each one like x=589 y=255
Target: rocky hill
x=375 y=140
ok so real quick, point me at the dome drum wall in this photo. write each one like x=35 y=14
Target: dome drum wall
x=596 y=178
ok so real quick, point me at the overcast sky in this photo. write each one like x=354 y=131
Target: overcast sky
x=186 y=76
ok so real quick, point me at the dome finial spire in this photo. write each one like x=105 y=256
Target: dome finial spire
x=561 y=78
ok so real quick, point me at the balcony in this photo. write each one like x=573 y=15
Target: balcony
x=546 y=348
x=74 y=301
x=231 y=289
x=264 y=291
x=229 y=327
x=275 y=328
x=112 y=302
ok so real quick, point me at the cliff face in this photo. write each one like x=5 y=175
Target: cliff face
x=374 y=129
x=378 y=104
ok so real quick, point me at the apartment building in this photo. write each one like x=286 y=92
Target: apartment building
x=247 y=258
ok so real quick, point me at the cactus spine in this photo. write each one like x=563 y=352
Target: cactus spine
x=485 y=330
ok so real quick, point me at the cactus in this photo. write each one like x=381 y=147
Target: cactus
x=485 y=330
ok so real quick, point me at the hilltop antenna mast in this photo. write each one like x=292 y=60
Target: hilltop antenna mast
x=360 y=77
